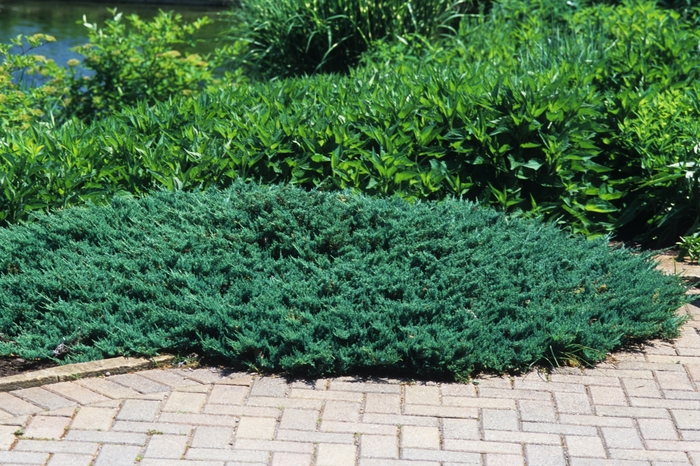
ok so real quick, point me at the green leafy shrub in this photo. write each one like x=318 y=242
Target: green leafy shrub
x=298 y=37
x=138 y=62
x=311 y=283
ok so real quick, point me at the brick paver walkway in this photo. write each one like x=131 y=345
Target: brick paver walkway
x=638 y=409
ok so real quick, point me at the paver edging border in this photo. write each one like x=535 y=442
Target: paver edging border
x=68 y=372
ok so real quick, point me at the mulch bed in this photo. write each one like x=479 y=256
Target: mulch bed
x=14 y=366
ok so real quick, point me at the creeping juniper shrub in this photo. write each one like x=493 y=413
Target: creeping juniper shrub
x=276 y=278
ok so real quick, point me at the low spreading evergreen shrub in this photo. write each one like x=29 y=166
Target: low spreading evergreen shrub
x=276 y=278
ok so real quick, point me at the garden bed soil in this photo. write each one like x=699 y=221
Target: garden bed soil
x=14 y=366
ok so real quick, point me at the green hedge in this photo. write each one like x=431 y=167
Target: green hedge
x=312 y=283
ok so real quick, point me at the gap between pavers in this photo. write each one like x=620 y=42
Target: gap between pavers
x=68 y=372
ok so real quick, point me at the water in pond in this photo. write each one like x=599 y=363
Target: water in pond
x=63 y=20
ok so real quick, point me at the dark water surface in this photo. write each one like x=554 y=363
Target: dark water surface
x=63 y=20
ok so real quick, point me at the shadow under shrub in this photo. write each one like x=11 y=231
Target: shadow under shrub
x=312 y=283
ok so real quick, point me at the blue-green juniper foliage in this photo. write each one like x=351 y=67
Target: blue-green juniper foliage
x=316 y=283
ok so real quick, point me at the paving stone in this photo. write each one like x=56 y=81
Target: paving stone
x=670 y=445
x=127 y=438
x=365 y=387
x=647 y=455
x=61 y=412
x=46 y=427
x=466 y=429
x=572 y=403
x=604 y=462
x=202 y=375
x=7 y=437
x=169 y=378
x=284 y=402
x=686 y=419
x=544 y=455
x=43 y=398
x=496 y=459
x=358 y=428
x=521 y=437
x=69 y=459
x=249 y=411
x=586 y=447
x=54 y=446
x=422 y=395
x=75 y=392
x=212 y=437
x=91 y=418
x=171 y=462
x=138 y=410
x=378 y=446
x=228 y=394
x=228 y=455
x=315 y=437
x=138 y=383
x=482 y=447
x=198 y=419
x=325 y=395
x=273 y=445
x=499 y=419
x=441 y=411
x=674 y=381
x=481 y=402
x=291 y=459
x=383 y=403
x=657 y=429
x=488 y=392
x=495 y=381
x=107 y=388
x=445 y=456
x=336 y=455
x=300 y=419
x=531 y=410
x=621 y=438
x=641 y=388
x=117 y=455
x=146 y=427
x=22 y=457
x=583 y=420
x=16 y=406
x=549 y=428
x=341 y=411
x=256 y=428
x=390 y=462
x=608 y=396
x=375 y=418
x=269 y=387
x=631 y=412
x=663 y=403
x=182 y=402
x=589 y=378
x=459 y=389
x=420 y=437
x=166 y=446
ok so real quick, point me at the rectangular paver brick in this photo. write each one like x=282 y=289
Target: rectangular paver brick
x=212 y=437
x=482 y=447
x=300 y=419
x=550 y=428
x=394 y=419
x=521 y=437
x=183 y=402
x=250 y=411
x=46 y=427
x=672 y=457
x=585 y=447
x=205 y=375
x=256 y=428
x=641 y=388
x=459 y=389
x=488 y=392
x=632 y=412
x=43 y=398
x=496 y=459
x=422 y=395
x=55 y=446
x=325 y=395
x=459 y=457
x=218 y=454
x=365 y=387
x=16 y=406
x=687 y=419
x=138 y=383
x=620 y=437
x=145 y=427
x=584 y=420
x=117 y=455
x=420 y=437
x=341 y=411
x=166 y=446
x=76 y=392
x=107 y=388
x=572 y=403
x=657 y=429
x=7 y=437
x=128 y=438
x=198 y=419
x=532 y=410
x=274 y=445
x=316 y=437
x=283 y=402
x=481 y=402
x=172 y=462
x=466 y=429
x=282 y=458
x=608 y=396
x=442 y=411
x=169 y=378
x=390 y=462
x=384 y=403
x=544 y=455
x=69 y=459
x=336 y=455
x=23 y=457
x=228 y=394
x=138 y=410
x=358 y=427
x=379 y=446
x=269 y=386
x=91 y=418
x=674 y=381
x=499 y=419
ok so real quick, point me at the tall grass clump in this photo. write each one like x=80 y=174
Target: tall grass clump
x=277 y=278
x=280 y=38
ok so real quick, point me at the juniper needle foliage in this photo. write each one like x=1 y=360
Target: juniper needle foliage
x=313 y=283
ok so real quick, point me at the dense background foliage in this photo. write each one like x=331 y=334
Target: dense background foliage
x=312 y=284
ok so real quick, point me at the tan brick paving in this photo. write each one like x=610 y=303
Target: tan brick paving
x=639 y=408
